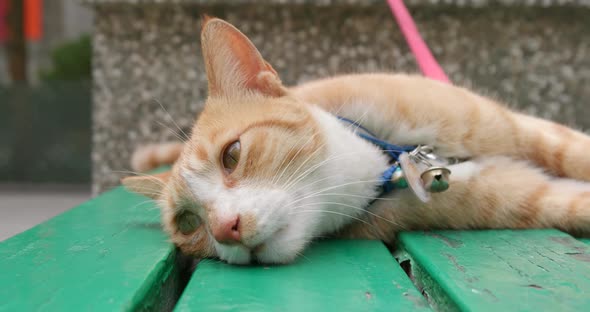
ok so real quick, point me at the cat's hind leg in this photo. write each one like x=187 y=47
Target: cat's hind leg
x=500 y=192
x=561 y=150
x=485 y=193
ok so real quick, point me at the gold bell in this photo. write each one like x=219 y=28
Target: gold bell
x=436 y=179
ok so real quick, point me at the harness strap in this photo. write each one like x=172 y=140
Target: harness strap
x=392 y=150
x=429 y=67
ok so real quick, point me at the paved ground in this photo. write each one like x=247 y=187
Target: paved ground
x=23 y=206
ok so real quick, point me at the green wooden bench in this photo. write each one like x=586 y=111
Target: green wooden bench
x=110 y=254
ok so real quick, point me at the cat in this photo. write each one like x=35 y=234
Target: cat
x=267 y=168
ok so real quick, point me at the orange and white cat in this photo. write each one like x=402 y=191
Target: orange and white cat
x=268 y=168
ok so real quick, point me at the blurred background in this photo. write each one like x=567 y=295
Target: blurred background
x=45 y=105
x=84 y=82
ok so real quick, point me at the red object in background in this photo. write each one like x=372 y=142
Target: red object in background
x=33 y=10
x=3 y=20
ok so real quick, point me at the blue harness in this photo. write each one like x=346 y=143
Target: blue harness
x=393 y=151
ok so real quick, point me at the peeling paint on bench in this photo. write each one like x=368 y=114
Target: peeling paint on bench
x=331 y=276
x=111 y=254
x=534 y=270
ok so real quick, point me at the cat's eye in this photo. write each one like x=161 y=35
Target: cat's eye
x=187 y=222
x=231 y=156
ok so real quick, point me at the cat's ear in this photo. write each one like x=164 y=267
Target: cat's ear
x=149 y=185
x=234 y=64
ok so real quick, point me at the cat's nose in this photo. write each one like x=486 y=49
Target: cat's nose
x=227 y=231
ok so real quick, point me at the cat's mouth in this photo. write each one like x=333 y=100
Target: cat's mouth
x=262 y=251
x=260 y=247
x=255 y=251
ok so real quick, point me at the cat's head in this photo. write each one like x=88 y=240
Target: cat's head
x=240 y=179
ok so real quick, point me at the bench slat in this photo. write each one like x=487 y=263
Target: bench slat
x=332 y=276
x=535 y=270
x=106 y=254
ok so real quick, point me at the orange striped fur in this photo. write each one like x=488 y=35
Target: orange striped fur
x=524 y=172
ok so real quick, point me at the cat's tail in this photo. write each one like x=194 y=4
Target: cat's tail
x=559 y=149
x=506 y=193
x=567 y=207
x=151 y=156
x=487 y=193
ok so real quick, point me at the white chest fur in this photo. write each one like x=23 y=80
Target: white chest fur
x=350 y=174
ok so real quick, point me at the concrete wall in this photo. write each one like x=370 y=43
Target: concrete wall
x=533 y=55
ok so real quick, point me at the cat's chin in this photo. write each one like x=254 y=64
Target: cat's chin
x=279 y=249
x=274 y=256
x=282 y=248
x=236 y=254
x=240 y=255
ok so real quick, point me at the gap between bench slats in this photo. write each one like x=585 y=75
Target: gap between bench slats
x=533 y=270
x=110 y=253
x=332 y=276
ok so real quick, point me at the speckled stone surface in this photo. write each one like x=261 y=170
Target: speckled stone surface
x=471 y=3
x=536 y=59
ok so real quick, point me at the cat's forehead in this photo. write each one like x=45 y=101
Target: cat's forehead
x=224 y=117
x=269 y=131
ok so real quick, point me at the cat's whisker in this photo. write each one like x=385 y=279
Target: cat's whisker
x=297 y=154
x=314 y=167
x=314 y=182
x=149 y=192
x=178 y=136
x=130 y=172
x=352 y=207
x=317 y=166
x=164 y=185
x=325 y=162
x=307 y=185
x=275 y=179
x=358 y=196
x=332 y=188
x=306 y=143
x=149 y=201
x=187 y=137
x=356 y=124
x=304 y=162
x=211 y=260
x=274 y=250
x=136 y=173
x=308 y=158
x=332 y=212
x=301 y=254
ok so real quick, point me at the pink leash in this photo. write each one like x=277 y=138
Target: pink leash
x=428 y=65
